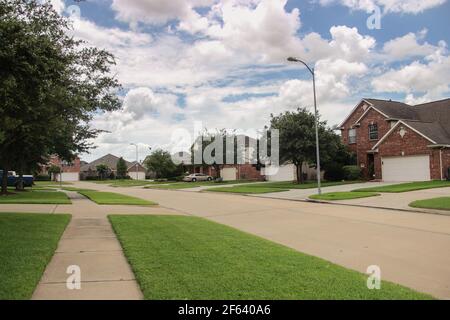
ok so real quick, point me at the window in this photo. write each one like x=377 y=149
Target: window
x=373 y=131
x=352 y=136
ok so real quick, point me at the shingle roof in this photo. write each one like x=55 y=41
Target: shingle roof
x=432 y=130
x=109 y=160
x=432 y=119
x=394 y=109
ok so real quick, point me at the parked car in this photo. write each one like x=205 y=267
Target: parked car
x=197 y=177
x=13 y=179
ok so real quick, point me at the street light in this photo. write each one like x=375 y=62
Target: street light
x=137 y=158
x=291 y=59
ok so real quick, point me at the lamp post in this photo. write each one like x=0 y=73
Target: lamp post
x=291 y=59
x=137 y=158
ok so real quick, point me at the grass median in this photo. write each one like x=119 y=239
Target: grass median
x=407 y=187
x=27 y=243
x=112 y=198
x=35 y=197
x=178 y=257
x=336 y=196
x=246 y=189
x=442 y=203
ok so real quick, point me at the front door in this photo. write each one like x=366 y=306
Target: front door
x=371 y=166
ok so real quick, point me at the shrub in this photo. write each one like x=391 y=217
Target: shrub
x=334 y=172
x=352 y=172
x=91 y=178
x=42 y=177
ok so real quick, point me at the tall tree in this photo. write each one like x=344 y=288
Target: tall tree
x=121 y=168
x=51 y=85
x=102 y=171
x=160 y=162
x=298 y=140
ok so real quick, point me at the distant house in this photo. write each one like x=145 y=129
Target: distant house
x=230 y=172
x=394 y=141
x=135 y=170
x=70 y=170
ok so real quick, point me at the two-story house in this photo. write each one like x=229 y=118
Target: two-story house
x=395 y=141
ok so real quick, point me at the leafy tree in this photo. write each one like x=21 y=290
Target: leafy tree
x=298 y=141
x=121 y=168
x=102 y=171
x=160 y=162
x=53 y=171
x=51 y=85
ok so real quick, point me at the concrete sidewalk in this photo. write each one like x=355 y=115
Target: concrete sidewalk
x=90 y=243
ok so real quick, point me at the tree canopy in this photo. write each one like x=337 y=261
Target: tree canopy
x=121 y=168
x=51 y=85
x=298 y=141
x=160 y=162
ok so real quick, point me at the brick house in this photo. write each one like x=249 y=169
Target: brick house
x=394 y=141
x=135 y=170
x=70 y=170
x=230 y=172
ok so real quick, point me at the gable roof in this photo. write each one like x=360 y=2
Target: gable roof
x=110 y=160
x=431 y=119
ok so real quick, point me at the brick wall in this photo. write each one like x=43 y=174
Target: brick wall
x=410 y=144
x=67 y=167
x=363 y=143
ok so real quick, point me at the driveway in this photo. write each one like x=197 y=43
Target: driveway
x=411 y=249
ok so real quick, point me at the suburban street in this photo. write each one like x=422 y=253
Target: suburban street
x=410 y=248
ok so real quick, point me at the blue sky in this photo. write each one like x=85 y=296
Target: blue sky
x=222 y=62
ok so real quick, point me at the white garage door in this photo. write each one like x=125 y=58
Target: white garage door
x=412 y=168
x=282 y=173
x=69 y=176
x=228 y=174
x=136 y=175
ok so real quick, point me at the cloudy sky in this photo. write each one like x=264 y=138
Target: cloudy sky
x=223 y=62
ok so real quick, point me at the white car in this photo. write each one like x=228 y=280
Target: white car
x=197 y=177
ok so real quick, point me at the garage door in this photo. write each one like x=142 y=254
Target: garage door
x=282 y=173
x=69 y=176
x=412 y=168
x=228 y=174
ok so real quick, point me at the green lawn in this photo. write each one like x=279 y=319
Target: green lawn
x=27 y=243
x=442 y=203
x=130 y=183
x=247 y=189
x=76 y=189
x=115 y=198
x=305 y=185
x=188 y=185
x=179 y=257
x=50 y=183
x=333 y=196
x=36 y=197
x=410 y=186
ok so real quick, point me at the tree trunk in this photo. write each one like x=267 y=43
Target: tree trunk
x=19 y=183
x=5 y=181
x=299 y=173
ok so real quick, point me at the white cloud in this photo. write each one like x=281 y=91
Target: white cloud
x=431 y=77
x=142 y=102
x=408 y=46
x=388 y=6
x=156 y=12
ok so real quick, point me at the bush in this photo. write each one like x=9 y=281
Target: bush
x=43 y=177
x=335 y=172
x=352 y=172
x=218 y=180
x=91 y=178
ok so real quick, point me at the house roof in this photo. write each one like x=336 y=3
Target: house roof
x=110 y=160
x=431 y=119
